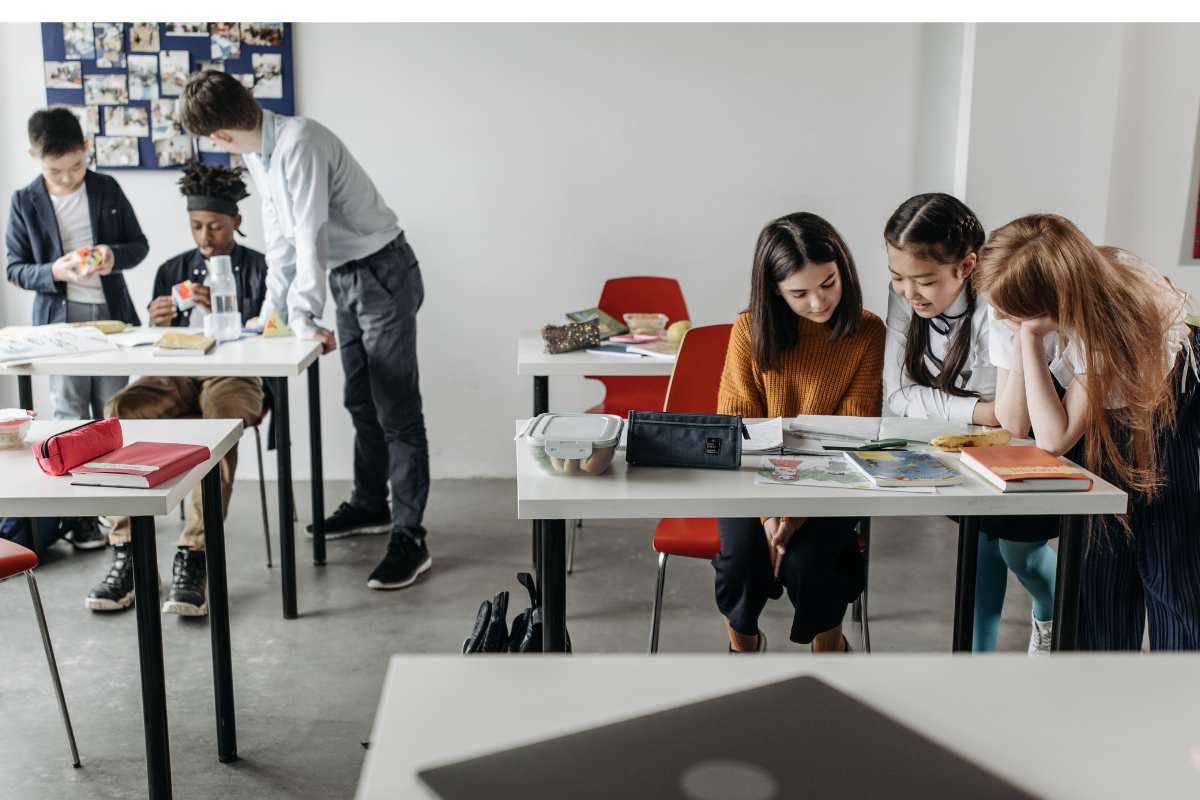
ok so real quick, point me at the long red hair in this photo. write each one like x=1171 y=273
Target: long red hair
x=1105 y=304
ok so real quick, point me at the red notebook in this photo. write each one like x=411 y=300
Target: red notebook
x=1024 y=469
x=140 y=465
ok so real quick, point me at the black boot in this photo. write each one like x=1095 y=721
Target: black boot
x=189 y=585
x=115 y=592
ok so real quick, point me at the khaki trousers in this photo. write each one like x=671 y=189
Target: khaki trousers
x=170 y=398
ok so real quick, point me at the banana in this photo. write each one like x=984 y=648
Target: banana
x=992 y=437
x=105 y=325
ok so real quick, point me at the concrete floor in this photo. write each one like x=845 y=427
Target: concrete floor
x=306 y=689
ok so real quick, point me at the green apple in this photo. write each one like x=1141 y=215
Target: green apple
x=677 y=329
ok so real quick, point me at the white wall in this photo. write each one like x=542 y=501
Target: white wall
x=530 y=163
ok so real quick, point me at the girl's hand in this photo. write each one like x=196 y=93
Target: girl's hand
x=779 y=533
x=1011 y=324
x=1040 y=326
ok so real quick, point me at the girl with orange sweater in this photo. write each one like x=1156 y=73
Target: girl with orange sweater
x=805 y=346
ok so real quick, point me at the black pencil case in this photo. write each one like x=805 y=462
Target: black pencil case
x=660 y=439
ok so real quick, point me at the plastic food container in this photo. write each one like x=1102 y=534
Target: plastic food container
x=573 y=444
x=646 y=324
x=13 y=428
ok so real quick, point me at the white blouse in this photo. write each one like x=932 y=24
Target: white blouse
x=907 y=398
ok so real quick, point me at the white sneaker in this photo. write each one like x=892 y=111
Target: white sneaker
x=1039 y=638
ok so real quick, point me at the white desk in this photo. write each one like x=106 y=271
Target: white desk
x=533 y=360
x=640 y=492
x=1105 y=727
x=276 y=358
x=26 y=491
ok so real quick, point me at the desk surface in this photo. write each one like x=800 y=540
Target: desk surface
x=622 y=492
x=1071 y=727
x=26 y=491
x=533 y=360
x=254 y=357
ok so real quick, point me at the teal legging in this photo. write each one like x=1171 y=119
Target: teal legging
x=1034 y=564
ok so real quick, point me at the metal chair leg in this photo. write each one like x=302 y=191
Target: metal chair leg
x=182 y=511
x=864 y=530
x=262 y=494
x=658 y=595
x=62 y=701
x=866 y=630
x=574 y=523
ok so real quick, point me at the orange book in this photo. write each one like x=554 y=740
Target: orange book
x=1024 y=469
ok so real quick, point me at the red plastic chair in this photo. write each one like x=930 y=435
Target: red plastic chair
x=632 y=296
x=14 y=560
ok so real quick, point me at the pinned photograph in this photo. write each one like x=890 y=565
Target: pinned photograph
x=143 y=37
x=215 y=66
x=268 y=75
x=64 y=75
x=269 y=34
x=143 y=78
x=174 y=151
x=226 y=40
x=247 y=79
x=77 y=36
x=126 y=121
x=187 y=29
x=173 y=67
x=207 y=145
x=116 y=151
x=105 y=90
x=91 y=151
x=110 y=44
x=89 y=118
x=164 y=119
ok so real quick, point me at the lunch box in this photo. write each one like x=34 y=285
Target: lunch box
x=573 y=444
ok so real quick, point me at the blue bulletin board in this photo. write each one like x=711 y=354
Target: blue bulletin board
x=123 y=82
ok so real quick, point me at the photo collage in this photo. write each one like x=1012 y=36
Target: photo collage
x=122 y=80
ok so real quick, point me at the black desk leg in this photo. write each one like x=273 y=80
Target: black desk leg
x=25 y=391
x=964 y=588
x=318 y=473
x=1072 y=539
x=552 y=583
x=218 y=614
x=150 y=650
x=287 y=531
x=541 y=405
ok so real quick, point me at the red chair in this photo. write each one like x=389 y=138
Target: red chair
x=693 y=390
x=632 y=296
x=14 y=560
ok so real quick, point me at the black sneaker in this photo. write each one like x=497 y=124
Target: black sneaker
x=86 y=535
x=115 y=592
x=406 y=559
x=189 y=585
x=351 y=520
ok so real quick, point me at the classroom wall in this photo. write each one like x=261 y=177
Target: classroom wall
x=530 y=163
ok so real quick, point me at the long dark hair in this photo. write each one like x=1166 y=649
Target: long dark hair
x=937 y=227
x=787 y=245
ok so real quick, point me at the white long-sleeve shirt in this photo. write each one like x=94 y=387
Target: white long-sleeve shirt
x=320 y=210
x=908 y=398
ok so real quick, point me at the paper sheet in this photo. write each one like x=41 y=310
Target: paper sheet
x=865 y=428
x=829 y=472
x=136 y=337
x=765 y=437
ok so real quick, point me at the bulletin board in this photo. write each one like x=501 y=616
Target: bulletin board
x=123 y=81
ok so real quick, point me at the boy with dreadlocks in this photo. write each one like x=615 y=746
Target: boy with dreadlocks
x=212 y=195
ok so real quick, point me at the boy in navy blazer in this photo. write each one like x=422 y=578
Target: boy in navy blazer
x=66 y=208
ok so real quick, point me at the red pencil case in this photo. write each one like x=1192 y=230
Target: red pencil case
x=64 y=451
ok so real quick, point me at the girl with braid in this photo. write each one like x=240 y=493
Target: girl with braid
x=937 y=365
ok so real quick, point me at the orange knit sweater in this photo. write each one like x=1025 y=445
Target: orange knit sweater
x=817 y=377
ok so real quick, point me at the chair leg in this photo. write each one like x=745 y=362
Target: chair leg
x=571 y=546
x=262 y=494
x=866 y=630
x=658 y=595
x=864 y=529
x=62 y=701
x=182 y=511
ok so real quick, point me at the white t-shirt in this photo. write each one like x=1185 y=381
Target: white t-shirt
x=75 y=231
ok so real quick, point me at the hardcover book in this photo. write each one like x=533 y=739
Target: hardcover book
x=141 y=465
x=1024 y=469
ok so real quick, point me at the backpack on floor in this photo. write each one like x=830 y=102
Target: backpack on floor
x=491 y=633
x=18 y=531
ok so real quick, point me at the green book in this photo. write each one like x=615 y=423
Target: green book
x=608 y=325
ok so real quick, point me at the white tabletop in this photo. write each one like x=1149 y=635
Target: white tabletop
x=26 y=491
x=622 y=492
x=533 y=360
x=253 y=357
x=1071 y=727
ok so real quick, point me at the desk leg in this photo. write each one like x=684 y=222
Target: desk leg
x=218 y=615
x=964 y=588
x=552 y=583
x=283 y=455
x=318 y=474
x=1072 y=539
x=150 y=649
x=541 y=405
x=25 y=391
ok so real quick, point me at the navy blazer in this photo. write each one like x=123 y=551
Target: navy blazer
x=34 y=244
x=249 y=273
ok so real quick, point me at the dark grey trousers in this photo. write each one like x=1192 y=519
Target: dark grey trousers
x=377 y=300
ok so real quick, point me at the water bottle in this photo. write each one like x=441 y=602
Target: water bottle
x=227 y=321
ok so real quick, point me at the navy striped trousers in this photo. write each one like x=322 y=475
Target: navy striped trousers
x=1157 y=574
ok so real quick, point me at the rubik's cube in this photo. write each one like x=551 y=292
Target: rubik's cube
x=88 y=260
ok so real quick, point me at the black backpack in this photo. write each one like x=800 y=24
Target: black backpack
x=491 y=633
x=18 y=531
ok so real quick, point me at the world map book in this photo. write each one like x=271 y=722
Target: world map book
x=1024 y=469
x=902 y=468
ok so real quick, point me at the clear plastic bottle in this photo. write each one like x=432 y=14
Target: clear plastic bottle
x=227 y=321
